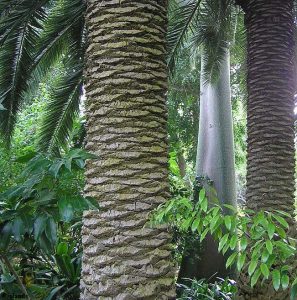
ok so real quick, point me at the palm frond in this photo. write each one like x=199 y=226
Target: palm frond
x=18 y=13
x=63 y=107
x=214 y=33
x=182 y=20
x=34 y=36
x=16 y=56
x=62 y=28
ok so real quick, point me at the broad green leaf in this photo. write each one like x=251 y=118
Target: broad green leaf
x=281 y=220
x=285 y=268
x=271 y=230
x=195 y=224
x=243 y=243
x=223 y=241
x=271 y=260
x=18 y=229
x=45 y=244
x=233 y=242
x=284 y=213
x=231 y=259
x=79 y=162
x=214 y=222
x=264 y=270
x=92 y=202
x=281 y=232
x=232 y=208
x=45 y=197
x=241 y=261
x=5 y=233
x=39 y=226
x=203 y=235
x=202 y=195
x=285 y=281
x=276 y=279
x=54 y=292
x=226 y=248
x=26 y=157
x=186 y=224
x=216 y=211
x=204 y=204
x=66 y=209
x=228 y=222
x=269 y=246
x=173 y=165
x=255 y=277
x=55 y=167
x=293 y=294
x=252 y=266
x=62 y=248
x=51 y=230
x=265 y=256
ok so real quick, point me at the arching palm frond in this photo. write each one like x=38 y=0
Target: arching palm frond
x=63 y=107
x=183 y=17
x=215 y=33
x=35 y=36
x=195 y=23
x=19 y=31
x=64 y=26
x=64 y=37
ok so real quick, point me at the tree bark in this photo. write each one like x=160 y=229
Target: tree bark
x=215 y=159
x=126 y=127
x=270 y=119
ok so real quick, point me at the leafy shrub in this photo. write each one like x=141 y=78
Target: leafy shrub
x=40 y=222
x=202 y=290
x=263 y=233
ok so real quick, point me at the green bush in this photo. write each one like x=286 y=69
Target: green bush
x=203 y=290
x=40 y=223
x=263 y=234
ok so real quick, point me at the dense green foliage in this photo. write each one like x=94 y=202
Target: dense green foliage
x=262 y=234
x=202 y=290
x=41 y=180
x=40 y=221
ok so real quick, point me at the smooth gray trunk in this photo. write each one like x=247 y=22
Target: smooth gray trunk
x=215 y=159
x=215 y=152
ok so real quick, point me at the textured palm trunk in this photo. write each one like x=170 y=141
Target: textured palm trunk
x=215 y=159
x=126 y=127
x=270 y=120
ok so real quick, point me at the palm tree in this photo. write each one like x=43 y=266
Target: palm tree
x=270 y=113
x=126 y=82
x=208 y=24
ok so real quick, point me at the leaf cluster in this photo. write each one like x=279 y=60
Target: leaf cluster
x=258 y=241
x=40 y=221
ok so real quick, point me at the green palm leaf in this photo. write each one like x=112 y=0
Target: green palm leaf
x=182 y=22
x=63 y=108
x=16 y=56
x=34 y=36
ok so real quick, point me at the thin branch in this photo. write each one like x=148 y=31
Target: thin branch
x=18 y=279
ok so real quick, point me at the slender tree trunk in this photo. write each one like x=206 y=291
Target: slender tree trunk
x=270 y=120
x=126 y=127
x=215 y=159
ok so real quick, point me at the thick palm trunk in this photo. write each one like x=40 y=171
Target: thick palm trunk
x=270 y=174
x=126 y=128
x=215 y=159
x=270 y=167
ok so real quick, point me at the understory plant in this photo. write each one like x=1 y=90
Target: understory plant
x=256 y=242
x=221 y=289
x=40 y=223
